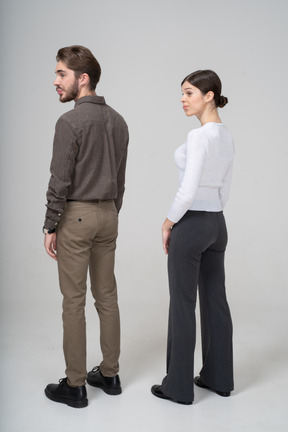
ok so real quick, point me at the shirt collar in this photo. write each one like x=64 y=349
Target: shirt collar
x=90 y=99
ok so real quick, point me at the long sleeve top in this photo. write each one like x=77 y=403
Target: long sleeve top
x=89 y=157
x=204 y=163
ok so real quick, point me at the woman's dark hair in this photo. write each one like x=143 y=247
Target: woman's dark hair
x=205 y=81
x=81 y=60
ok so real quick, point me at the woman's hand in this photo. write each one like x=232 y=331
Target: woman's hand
x=166 y=233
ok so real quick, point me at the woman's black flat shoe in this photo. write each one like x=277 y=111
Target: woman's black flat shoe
x=199 y=383
x=156 y=391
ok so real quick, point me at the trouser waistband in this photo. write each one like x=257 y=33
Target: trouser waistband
x=88 y=201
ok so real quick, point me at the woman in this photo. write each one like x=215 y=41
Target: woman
x=195 y=237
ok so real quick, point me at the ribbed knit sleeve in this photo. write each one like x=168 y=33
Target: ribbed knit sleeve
x=196 y=149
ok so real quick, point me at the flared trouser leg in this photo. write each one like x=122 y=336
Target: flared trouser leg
x=216 y=324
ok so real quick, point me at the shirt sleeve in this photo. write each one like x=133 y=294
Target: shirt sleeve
x=196 y=151
x=225 y=189
x=121 y=181
x=65 y=150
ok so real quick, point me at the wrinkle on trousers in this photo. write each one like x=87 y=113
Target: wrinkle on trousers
x=86 y=240
x=196 y=256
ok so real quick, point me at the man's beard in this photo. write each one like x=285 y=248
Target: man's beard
x=71 y=93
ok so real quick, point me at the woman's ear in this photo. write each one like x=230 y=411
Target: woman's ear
x=209 y=96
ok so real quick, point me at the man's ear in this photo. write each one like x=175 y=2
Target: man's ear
x=84 y=80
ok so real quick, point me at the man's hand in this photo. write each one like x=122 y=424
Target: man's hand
x=50 y=245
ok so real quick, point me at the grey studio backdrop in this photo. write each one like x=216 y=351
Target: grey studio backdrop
x=145 y=49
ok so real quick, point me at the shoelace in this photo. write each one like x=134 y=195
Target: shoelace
x=62 y=380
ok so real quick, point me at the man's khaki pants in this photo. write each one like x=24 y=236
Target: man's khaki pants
x=86 y=239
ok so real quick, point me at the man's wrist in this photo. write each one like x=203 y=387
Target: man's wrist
x=48 y=231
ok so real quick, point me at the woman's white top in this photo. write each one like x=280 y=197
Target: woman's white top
x=205 y=170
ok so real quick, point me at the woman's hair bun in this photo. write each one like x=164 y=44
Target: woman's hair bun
x=223 y=101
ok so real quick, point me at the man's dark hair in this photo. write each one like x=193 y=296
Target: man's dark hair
x=81 y=60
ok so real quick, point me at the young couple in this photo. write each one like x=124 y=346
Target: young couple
x=84 y=197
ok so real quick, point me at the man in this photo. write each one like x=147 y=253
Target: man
x=84 y=198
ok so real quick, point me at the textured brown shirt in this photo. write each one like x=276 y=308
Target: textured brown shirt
x=89 y=157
